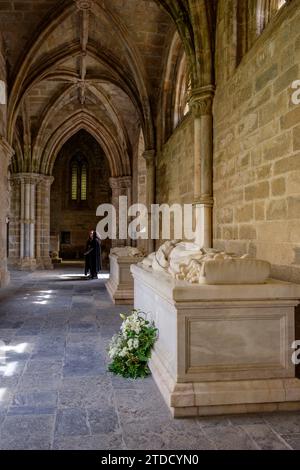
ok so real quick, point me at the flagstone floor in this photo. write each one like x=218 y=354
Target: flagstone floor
x=56 y=393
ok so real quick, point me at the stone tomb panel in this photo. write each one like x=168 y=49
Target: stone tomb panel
x=230 y=342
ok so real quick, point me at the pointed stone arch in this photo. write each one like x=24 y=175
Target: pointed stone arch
x=101 y=96
x=118 y=162
x=176 y=53
x=198 y=41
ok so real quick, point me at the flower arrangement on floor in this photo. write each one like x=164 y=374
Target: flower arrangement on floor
x=130 y=349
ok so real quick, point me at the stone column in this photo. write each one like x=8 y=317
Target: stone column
x=201 y=103
x=27 y=182
x=30 y=215
x=14 y=226
x=6 y=152
x=149 y=156
x=43 y=222
x=121 y=186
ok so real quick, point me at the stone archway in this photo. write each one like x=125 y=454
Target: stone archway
x=73 y=208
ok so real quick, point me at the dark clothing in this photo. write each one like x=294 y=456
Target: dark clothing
x=93 y=263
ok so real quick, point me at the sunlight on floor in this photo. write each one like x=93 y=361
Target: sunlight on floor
x=72 y=276
x=42 y=298
x=79 y=277
x=19 y=349
x=8 y=370
x=103 y=276
x=2 y=394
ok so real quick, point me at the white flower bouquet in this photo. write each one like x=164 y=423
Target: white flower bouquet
x=130 y=349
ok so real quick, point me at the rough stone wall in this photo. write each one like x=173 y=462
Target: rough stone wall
x=257 y=150
x=175 y=166
x=67 y=217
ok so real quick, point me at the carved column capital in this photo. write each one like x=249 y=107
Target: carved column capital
x=31 y=178
x=201 y=100
x=46 y=180
x=120 y=182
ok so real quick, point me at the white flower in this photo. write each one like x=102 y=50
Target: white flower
x=124 y=352
x=130 y=344
x=136 y=343
x=133 y=323
x=113 y=352
x=115 y=346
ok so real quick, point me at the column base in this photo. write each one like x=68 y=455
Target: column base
x=4 y=278
x=228 y=397
x=27 y=264
x=44 y=263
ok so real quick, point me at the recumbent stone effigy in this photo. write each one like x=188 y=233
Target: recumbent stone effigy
x=225 y=330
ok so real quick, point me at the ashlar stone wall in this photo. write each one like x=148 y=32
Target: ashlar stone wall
x=175 y=166
x=257 y=150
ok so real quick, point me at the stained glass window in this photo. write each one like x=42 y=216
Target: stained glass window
x=79 y=179
x=74 y=181
x=84 y=182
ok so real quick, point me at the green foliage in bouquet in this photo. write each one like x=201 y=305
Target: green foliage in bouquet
x=130 y=349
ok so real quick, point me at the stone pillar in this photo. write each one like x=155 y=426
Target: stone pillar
x=30 y=214
x=43 y=222
x=121 y=186
x=201 y=103
x=149 y=156
x=6 y=153
x=23 y=215
x=14 y=222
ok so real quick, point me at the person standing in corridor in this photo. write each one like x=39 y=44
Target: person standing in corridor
x=93 y=263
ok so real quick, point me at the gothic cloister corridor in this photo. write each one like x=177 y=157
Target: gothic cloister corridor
x=56 y=392
x=157 y=142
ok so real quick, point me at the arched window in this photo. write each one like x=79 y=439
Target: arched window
x=266 y=10
x=252 y=18
x=183 y=87
x=79 y=179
